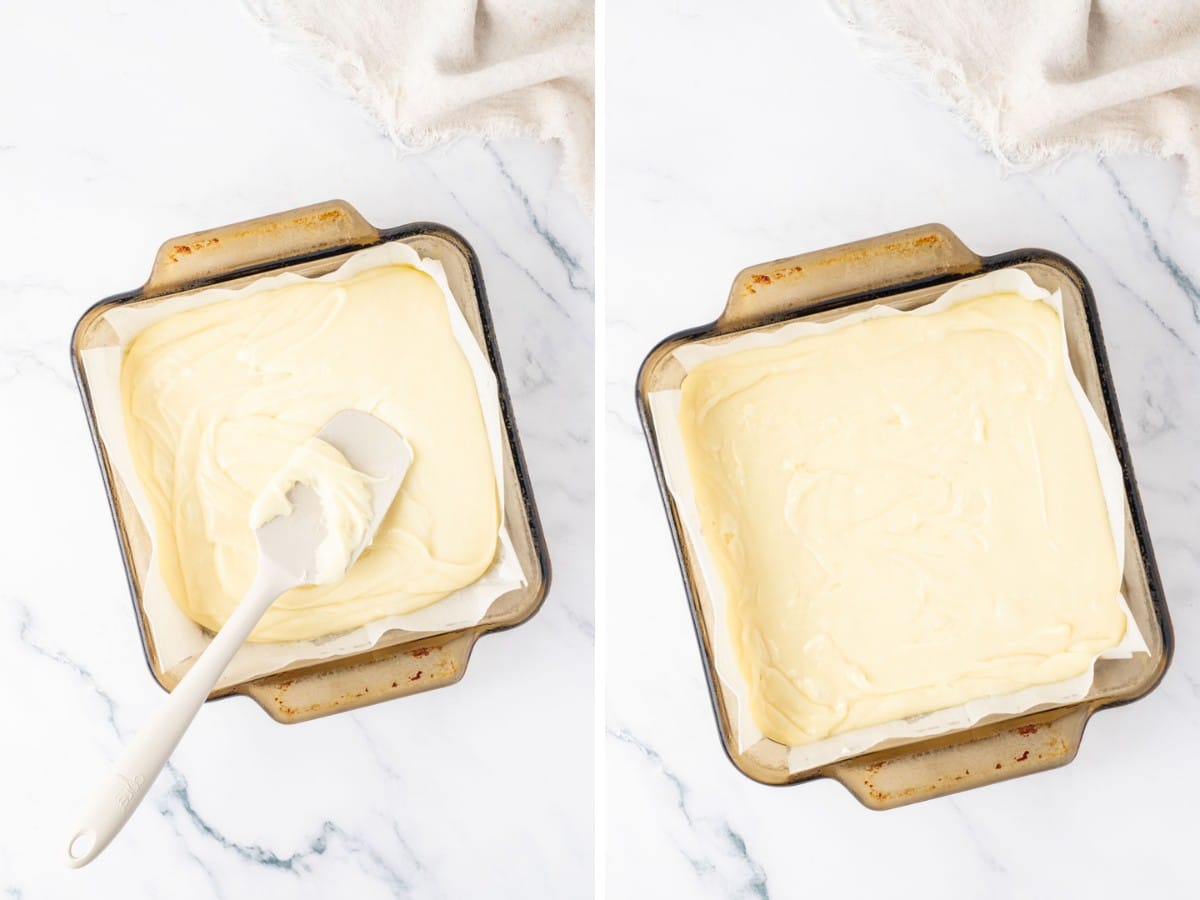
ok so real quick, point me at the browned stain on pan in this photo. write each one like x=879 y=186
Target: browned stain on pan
x=178 y=250
x=444 y=668
x=318 y=221
x=1054 y=749
x=764 y=278
x=851 y=255
x=308 y=222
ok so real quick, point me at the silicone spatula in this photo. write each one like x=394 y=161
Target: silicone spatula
x=287 y=548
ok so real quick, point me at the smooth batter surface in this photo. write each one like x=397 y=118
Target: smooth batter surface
x=905 y=513
x=217 y=399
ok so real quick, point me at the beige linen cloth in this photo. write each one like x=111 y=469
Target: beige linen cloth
x=1037 y=79
x=431 y=70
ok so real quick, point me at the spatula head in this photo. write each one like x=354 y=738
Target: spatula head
x=372 y=447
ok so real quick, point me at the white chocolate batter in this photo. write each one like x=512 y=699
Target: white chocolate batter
x=216 y=399
x=343 y=494
x=905 y=513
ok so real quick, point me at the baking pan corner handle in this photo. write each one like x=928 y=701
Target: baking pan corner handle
x=381 y=675
x=195 y=258
x=770 y=289
x=1033 y=744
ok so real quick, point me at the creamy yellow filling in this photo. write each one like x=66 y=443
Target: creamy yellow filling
x=905 y=513
x=217 y=399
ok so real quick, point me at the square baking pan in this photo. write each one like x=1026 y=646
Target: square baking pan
x=310 y=242
x=906 y=270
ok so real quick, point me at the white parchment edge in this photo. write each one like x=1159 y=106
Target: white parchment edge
x=177 y=638
x=664 y=411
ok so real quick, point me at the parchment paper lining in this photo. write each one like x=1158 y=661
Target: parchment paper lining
x=664 y=410
x=176 y=637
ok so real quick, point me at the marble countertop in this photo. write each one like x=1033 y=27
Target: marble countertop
x=761 y=136
x=147 y=121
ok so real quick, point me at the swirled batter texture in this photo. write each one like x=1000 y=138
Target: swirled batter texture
x=905 y=513
x=216 y=400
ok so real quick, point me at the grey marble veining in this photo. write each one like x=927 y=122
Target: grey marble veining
x=716 y=853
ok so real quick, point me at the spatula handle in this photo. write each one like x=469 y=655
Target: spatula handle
x=131 y=775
